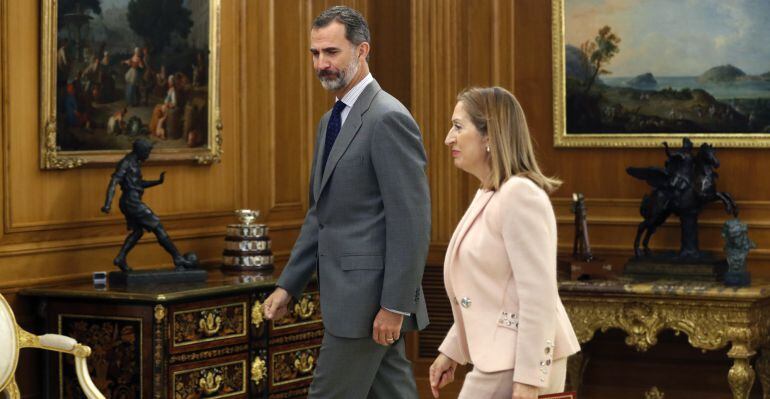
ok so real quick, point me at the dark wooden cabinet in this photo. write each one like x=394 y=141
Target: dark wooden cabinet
x=207 y=340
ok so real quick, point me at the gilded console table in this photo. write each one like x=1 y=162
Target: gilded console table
x=184 y=340
x=711 y=315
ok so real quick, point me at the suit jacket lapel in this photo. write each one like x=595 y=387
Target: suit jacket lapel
x=476 y=207
x=349 y=129
x=319 y=157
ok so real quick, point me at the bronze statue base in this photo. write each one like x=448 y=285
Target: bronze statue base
x=156 y=276
x=738 y=279
x=670 y=267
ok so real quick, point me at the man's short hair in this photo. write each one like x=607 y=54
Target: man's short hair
x=356 y=28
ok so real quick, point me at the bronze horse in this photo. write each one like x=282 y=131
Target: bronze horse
x=682 y=187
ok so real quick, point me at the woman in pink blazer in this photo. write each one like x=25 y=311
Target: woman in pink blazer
x=500 y=266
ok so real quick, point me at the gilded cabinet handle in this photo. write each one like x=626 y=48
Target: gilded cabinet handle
x=256 y=314
x=210 y=322
x=210 y=383
x=258 y=370
x=304 y=308
x=304 y=362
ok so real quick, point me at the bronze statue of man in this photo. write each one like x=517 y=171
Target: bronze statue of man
x=139 y=216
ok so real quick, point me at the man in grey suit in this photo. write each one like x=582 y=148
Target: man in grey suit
x=367 y=229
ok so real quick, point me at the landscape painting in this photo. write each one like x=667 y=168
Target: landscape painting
x=119 y=70
x=636 y=73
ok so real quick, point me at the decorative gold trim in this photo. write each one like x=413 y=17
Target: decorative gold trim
x=159 y=350
x=211 y=367
x=244 y=307
x=562 y=139
x=210 y=322
x=706 y=326
x=293 y=338
x=27 y=340
x=207 y=354
x=12 y=389
x=52 y=158
x=160 y=313
x=15 y=360
x=303 y=313
x=654 y=393
x=93 y=317
x=297 y=363
x=211 y=383
x=256 y=314
x=304 y=308
x=258 y=370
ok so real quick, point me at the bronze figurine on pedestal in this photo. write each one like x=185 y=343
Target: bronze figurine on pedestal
x=682 y=187
x=139 y=216
x=582 y=265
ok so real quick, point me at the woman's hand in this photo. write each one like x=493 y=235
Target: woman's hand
x=524 y=391
x=442 y=372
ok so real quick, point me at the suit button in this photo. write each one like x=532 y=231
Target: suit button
x=465 y=302
x=320 y=226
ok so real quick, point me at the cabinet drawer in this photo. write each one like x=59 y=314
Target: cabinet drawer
x=304 y=314
x=217 y=378
x=292 y=366
x=207 y=324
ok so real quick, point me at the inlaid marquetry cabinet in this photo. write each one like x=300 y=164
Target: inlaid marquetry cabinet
x=183 y=341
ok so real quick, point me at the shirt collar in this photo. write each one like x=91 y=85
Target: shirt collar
x=352 y=96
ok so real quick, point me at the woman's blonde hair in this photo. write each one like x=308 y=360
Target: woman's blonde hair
x=498 y=115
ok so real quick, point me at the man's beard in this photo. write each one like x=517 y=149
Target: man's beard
x=334 y=81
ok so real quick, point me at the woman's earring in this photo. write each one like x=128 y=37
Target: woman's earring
x=487 y=148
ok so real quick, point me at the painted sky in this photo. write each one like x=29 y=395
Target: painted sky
x=676 y=37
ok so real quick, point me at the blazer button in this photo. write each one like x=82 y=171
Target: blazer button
x=320 y=226
x=465 y=302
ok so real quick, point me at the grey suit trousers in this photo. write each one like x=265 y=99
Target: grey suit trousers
x=359 y=368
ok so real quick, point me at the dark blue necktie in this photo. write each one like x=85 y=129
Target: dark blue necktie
x=332 y=131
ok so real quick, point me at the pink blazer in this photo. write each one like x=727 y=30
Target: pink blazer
x=500 y=275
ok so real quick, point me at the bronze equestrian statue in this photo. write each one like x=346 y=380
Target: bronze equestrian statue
x=682 y=187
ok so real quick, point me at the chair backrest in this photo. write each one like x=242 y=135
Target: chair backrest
x=9 y=344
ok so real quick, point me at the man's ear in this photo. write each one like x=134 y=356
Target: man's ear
x=363 y=50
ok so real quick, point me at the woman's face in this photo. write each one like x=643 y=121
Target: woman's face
x=468 y=146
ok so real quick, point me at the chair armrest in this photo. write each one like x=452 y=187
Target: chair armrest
x=58 y=342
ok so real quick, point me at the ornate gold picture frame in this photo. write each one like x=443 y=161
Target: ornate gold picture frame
x=635 y=74
x=113 y=71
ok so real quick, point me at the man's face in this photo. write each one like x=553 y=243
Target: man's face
x=335 y=59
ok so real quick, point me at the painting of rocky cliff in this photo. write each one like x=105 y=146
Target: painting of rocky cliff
x=657 y=68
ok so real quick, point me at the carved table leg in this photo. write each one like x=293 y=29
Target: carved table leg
x=763 y=369
x=741 y=375
x=741 y=378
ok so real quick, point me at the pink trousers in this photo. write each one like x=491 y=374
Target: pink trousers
x=499 y=385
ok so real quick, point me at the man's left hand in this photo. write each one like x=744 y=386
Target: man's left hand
x=386 y=329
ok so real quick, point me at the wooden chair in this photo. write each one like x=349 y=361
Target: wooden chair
x=13 y=338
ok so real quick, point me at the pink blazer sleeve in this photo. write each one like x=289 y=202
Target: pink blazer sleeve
x=529 y=235
x=452 y=347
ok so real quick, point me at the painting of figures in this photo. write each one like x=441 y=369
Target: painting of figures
x=126 y=69
x=630 y=72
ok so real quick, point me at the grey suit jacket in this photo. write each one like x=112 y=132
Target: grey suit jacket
x=367 y=229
